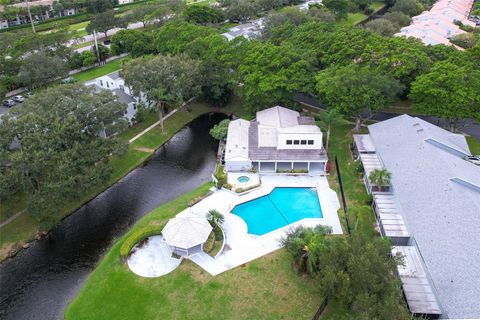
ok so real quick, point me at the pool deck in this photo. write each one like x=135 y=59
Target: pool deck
x=241 y=247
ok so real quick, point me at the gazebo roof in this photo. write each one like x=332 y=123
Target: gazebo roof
x=186 y=231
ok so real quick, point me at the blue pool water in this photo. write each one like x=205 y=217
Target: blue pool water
x=281 y=207
x=243 y=179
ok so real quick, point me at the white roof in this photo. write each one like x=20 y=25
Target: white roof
x=418 y=292
x=436 y=190
x=304 y=128
x=364 y=143
x=186 y=231
x=237 y=140
x=278 y=117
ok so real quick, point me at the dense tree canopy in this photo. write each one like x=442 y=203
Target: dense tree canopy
x=58 y=154
x=356 y=91
x=203 y=14
x=355 y=271
x=40 y=68
x=273 y=75
x=449 y=91
x=165 y=80
x=105 y=21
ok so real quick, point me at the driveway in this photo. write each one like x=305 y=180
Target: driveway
x=3 y=110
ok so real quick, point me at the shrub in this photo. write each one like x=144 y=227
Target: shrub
x=210 y=244
x=138 y=236
x=221 y=181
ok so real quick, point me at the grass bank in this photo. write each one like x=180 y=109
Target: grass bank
x=24 y=228
x=266 y=288
x=474 y=145
x=100 y=71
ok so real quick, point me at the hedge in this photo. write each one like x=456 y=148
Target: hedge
x=137 y=236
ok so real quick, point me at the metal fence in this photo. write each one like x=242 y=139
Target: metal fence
x=345 y=209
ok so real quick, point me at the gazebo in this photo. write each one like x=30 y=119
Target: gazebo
x=186 y=234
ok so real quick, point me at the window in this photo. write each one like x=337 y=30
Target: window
x=289 y=141
x=296 y=141
x=108 y=85
x=134 y=106
x=303 y=142
x=101 y=83
x=310 y=142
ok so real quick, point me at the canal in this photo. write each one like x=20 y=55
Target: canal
x=39 y=282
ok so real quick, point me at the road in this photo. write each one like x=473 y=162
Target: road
x=100 y=36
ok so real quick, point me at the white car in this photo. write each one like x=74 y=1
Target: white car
x=18 y=99
x=473 y=159
x=8 y=103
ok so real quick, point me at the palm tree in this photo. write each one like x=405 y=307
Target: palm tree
x=215 y=218
x=303 y=244
x=380 y=178
x=327 y=119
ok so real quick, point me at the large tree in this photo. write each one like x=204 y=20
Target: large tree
x=356 y=91
x=105 y=21
x=39 y=68
x=164 y=80
x=202 y=14
x=449 y=91
x=357 y=272
x=51 y=150
x=273 y=74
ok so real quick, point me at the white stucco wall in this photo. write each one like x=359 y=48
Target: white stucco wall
x=283 y=137
x=238 y=165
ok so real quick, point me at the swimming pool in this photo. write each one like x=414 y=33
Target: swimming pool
x=281 y=207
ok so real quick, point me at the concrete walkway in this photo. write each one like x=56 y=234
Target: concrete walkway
x=152 y=126
x=152 y=259
x=15 y=216
x=207 y=263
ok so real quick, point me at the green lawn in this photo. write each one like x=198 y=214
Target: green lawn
x=11 y=206
x=357 y=17
x=266 y=288
x=100 y=71
x=474 y=145
x=354 y=18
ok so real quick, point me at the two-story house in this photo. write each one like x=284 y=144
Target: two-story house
x=278 y=140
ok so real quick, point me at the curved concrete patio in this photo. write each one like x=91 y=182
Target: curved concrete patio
x=153 y=259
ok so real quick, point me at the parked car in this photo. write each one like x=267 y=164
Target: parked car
x=18 y=99
x=8 y=103
x=473 y=159
x=107 y=42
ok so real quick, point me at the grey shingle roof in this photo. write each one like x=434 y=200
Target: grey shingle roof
x=257 y=153
x=122 y=96
x=442 y=215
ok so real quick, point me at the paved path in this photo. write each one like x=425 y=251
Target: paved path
x=207 y=263
x=15 y=216
x=152 y=126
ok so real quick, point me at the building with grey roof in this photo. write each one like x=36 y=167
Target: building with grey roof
x=436 y=195
x=247 y=30
x=278 y=140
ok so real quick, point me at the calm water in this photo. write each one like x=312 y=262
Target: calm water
x=281 y=207
x=40 y=281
